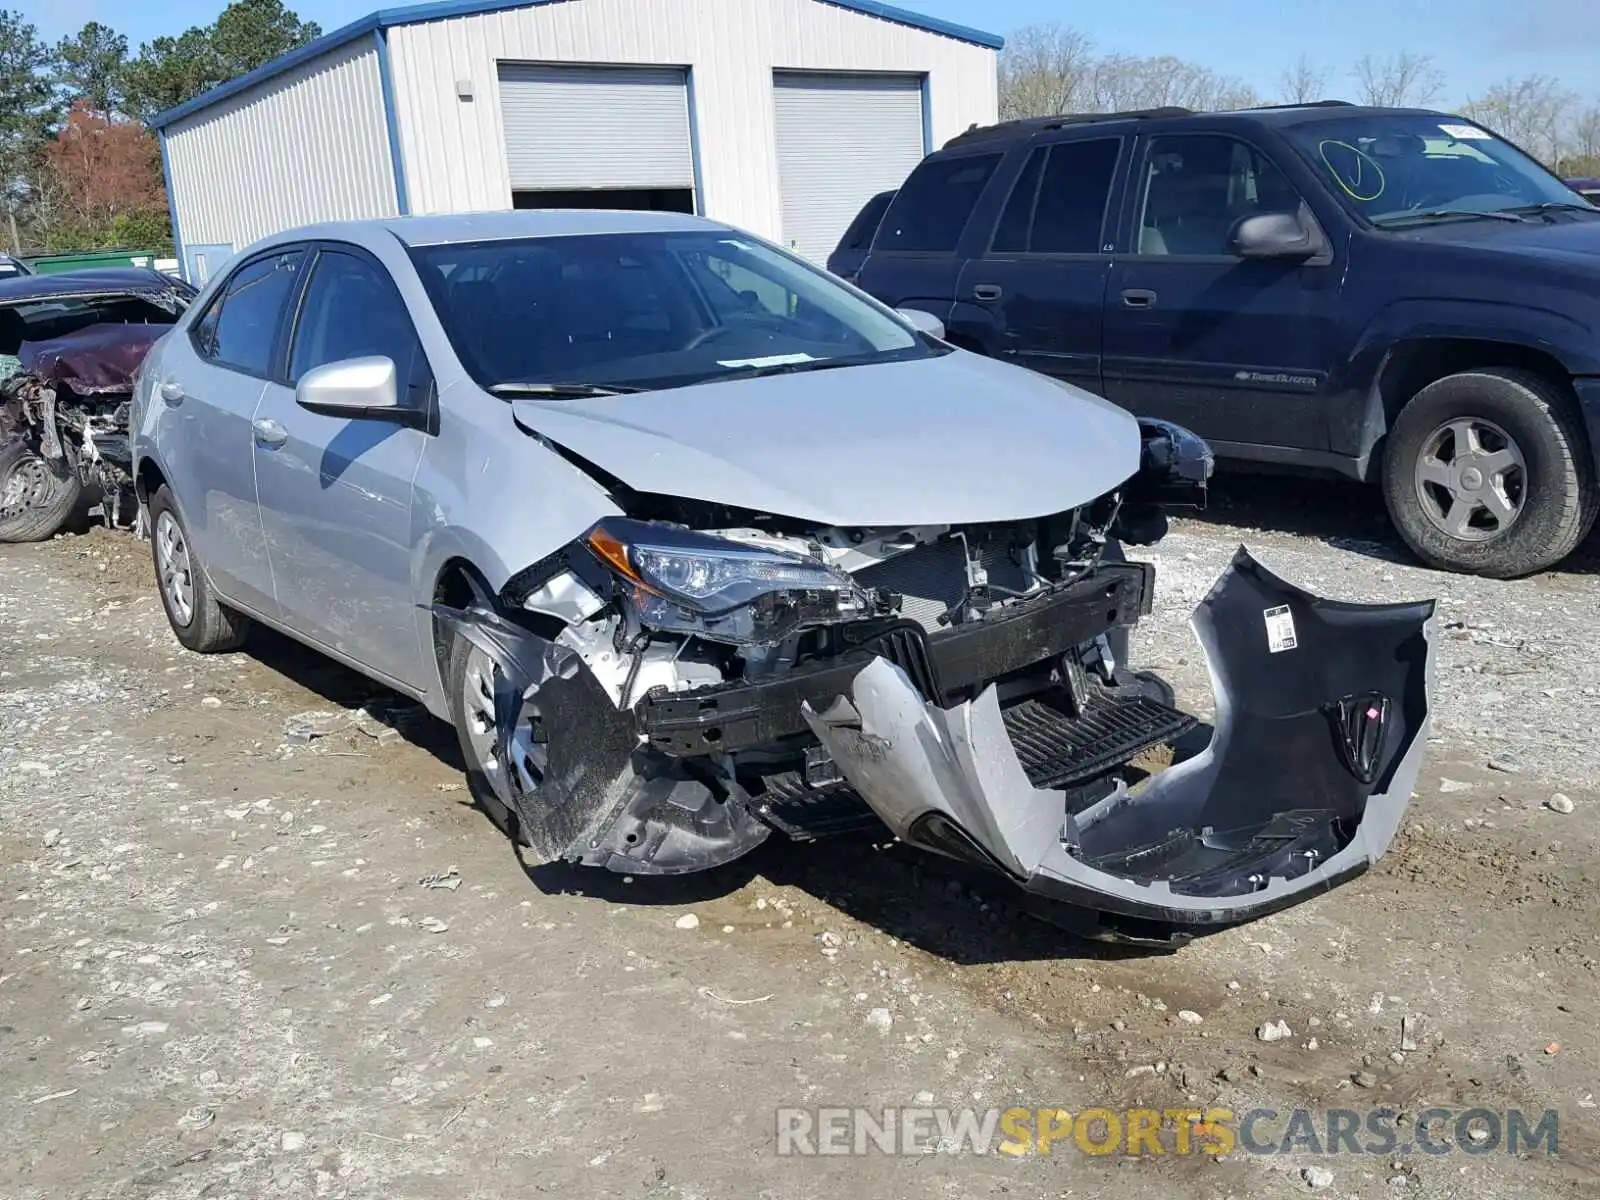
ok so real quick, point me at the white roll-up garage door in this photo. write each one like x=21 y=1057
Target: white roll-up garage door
x=841 y=140
x=570 y=128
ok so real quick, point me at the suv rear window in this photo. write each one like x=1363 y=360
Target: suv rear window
x=859 y=235
x=933 y=207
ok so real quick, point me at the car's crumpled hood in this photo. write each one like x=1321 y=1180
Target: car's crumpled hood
x=952 y=439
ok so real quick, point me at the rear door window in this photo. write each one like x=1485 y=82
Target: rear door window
x=1060 y=199
x=930 y=211
x=240 y=327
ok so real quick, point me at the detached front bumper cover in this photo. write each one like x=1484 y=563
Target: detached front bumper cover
x=1321 y=719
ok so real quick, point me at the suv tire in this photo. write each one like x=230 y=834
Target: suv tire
x=198 y=619
x=43 y=494
x=1488 y=472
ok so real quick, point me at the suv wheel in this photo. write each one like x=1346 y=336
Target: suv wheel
x=1487 y=472
x=198 y=620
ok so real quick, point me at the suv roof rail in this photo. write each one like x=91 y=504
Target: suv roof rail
x=1026 y=126
x=1304 y=104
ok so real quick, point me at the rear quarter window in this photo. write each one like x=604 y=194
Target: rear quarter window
x=930 y=211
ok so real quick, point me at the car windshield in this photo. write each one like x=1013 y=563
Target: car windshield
x=647 y=310
x=1399 y=170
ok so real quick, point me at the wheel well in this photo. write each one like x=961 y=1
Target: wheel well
x=964 y=343
x=1412 y=366
x=458 y=584
x=147 y=480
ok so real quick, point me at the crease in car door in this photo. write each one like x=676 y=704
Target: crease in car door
x=208 y=397
x=1237 y=350
x=1044 y=276
x=336 y=492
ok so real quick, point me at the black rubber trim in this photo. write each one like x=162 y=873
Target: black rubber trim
x=740 y=716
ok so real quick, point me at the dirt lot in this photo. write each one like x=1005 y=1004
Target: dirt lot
x=221 y=976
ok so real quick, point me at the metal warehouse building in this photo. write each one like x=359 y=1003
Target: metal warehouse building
x=780 y=116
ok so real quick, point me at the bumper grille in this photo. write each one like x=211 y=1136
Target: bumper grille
x=1056 y=751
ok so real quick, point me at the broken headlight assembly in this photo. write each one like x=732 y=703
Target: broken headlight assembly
x=680 y=581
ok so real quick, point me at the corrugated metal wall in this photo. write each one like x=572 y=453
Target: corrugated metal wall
x=453 y=150
x=310 y=145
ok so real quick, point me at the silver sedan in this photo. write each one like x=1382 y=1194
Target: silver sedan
x=694 y=543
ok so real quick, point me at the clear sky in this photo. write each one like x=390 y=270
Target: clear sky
x=1476 y=42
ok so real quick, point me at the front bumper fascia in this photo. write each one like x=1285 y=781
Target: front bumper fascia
x=1321 y=721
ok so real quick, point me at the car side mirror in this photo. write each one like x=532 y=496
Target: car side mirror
x=353 y=387
x=1278 y=235
x=922 y=322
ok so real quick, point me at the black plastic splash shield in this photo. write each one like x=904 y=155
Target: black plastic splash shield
x=1322 y=715
x=604 y=800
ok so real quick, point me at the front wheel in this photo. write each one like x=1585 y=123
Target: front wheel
x=1487 y=472
x=37 y=495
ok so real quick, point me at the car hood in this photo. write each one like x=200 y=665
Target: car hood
x=944 y=440
x=1571 y=239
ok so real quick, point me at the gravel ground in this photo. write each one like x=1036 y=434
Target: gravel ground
x=221 y=976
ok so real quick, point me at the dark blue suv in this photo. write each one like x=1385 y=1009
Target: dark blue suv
x=1395 y=295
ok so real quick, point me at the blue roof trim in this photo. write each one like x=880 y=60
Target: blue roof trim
x=416 y=14
x=901 y=16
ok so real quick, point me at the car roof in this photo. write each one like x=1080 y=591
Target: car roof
x=1010 y=132
x=495 y=226
x=107 y=280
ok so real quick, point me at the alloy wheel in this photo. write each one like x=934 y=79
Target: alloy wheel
x=1471 y=479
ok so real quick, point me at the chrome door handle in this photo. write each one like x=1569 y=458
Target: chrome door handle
x=1139 y=298
x=270 y=434
x=986 y=292
x=172 y=392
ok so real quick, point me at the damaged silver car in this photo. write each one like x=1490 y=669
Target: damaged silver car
x=71 y=345
x=695 y=545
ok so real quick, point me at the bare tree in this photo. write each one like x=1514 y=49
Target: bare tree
x=1044 y=70
x=1582 y=156
x=1303 y=82
x=1403 y=80
x=1049 y=69
x=1530 y=111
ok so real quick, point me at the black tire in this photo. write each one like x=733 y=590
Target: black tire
x=50 y=493
x=1558 y=496
x=482 y=790
x=210 y=627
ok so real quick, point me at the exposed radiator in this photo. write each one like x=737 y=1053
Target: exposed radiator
x=933 y=577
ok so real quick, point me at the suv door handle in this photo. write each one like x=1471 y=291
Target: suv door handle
x=1139 y=298
x=987 y=292
x=269 y=434
x=172 y=392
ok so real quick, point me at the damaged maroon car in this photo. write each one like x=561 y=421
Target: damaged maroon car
x=71 y=346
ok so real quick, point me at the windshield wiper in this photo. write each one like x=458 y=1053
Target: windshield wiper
x=1493 y=214
x=561 y=391
x=1554 y=206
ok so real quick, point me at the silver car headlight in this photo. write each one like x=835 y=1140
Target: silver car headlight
x=686 y=582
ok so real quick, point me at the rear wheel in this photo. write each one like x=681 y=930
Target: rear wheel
x=1488 y=472
x=198 y=619
x=37 y=495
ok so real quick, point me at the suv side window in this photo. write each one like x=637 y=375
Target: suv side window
x=240 y=327
x=1197 y=187
x=1058 y=205
x=352 y=310
x=929 y=212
